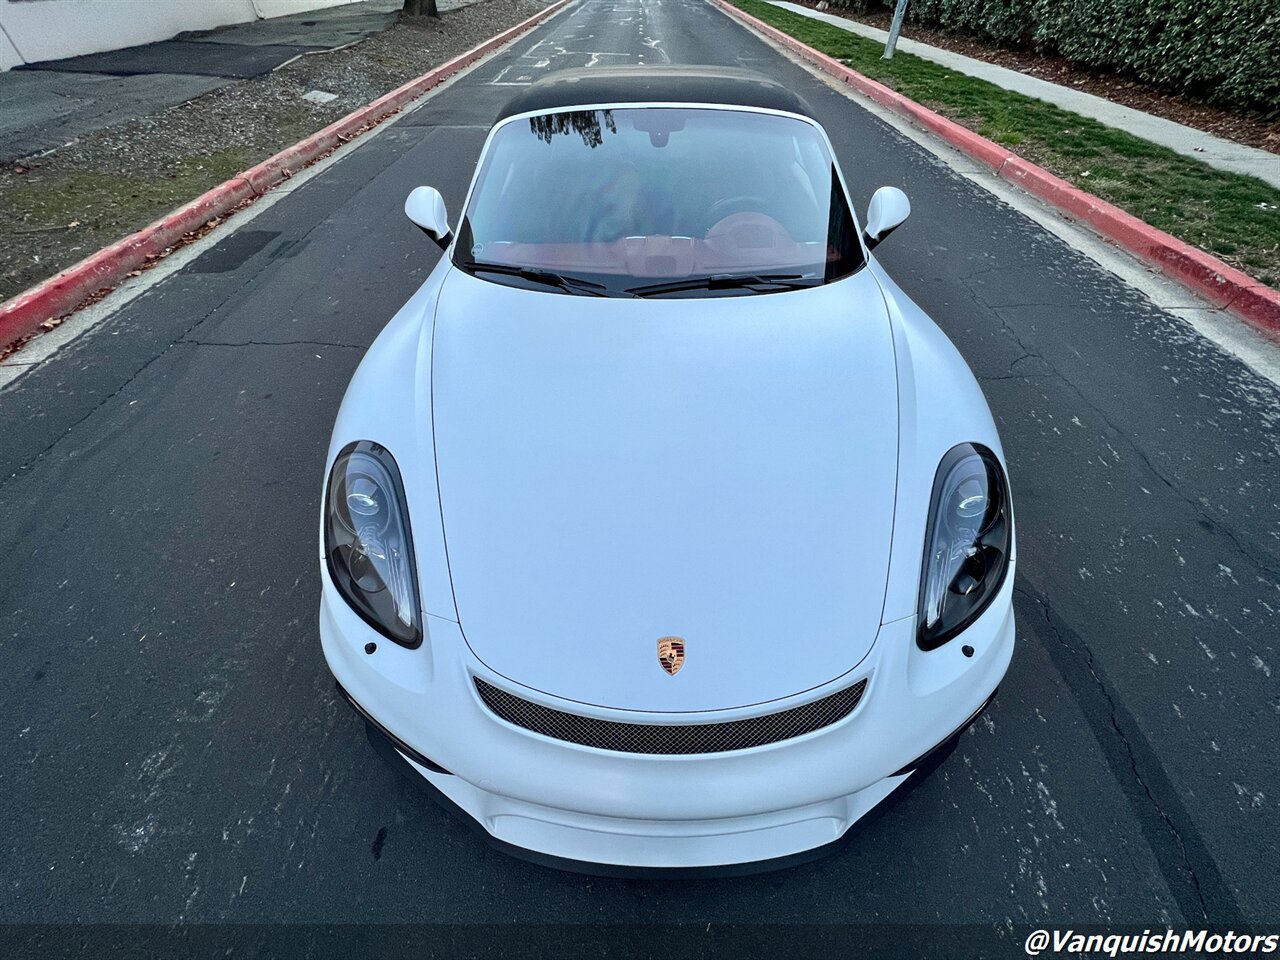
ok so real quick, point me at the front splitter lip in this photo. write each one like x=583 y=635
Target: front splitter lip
x=582 y=803
x=408 y=762
x=396 y=743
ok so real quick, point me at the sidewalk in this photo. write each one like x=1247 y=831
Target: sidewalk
x=1214 y=151
x=45 y=105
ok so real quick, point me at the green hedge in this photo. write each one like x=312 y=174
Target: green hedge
x=1225 y=51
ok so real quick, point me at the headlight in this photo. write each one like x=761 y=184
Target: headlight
x=967 y=544
x=367 y=543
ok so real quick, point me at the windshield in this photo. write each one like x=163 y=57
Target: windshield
x=659 y=201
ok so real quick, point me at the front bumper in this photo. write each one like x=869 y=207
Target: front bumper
x=573 y=805
x=418 y=770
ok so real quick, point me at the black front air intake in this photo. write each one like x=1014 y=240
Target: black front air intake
x=671 y=738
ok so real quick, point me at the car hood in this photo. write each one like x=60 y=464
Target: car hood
x=612 y=472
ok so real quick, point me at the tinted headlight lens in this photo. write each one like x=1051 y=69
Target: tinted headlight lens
x=367 y=543
x=967 y=543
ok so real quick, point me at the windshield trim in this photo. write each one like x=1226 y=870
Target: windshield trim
x=548 y=290
x=451 y=253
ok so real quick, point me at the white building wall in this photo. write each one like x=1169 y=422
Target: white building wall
x=8 y=53
x=280 y=8
x=34 y=30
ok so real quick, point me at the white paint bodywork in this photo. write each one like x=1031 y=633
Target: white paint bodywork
x=614 y=471
x=425 y=207
x=752 y=473
x=888 y=210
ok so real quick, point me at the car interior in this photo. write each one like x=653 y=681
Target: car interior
x=613 y=194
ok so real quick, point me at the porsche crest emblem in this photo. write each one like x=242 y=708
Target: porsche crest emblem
x=671 y=654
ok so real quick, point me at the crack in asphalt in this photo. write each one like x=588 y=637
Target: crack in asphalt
x=234 y=288
x=1128 y=748
x=273 y=343
x=1012 y=375
x=1188 y=868
x=1210 y=523
x=31 y=461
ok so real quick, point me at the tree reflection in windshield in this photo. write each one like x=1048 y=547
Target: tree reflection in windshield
x=585 y=123
x=748 y=202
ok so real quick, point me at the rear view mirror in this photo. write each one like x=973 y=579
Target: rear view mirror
x=889 y=207
x=425 y=207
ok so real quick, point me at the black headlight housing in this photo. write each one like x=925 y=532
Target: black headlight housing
x=968 y=543
x=367 y=543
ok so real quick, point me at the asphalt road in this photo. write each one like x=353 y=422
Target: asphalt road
x=171 y=746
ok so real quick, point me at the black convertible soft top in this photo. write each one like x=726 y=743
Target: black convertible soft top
x=730 y=86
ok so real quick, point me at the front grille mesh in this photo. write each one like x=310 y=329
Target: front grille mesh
x=656 y=738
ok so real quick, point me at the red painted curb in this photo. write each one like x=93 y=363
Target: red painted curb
x=1218 y=282
x=66 y=291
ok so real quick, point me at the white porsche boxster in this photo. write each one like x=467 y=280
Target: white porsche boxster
x=660 y=528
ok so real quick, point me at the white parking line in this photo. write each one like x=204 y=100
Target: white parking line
x=573 y=49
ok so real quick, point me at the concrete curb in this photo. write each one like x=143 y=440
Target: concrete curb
x=1221 y=284
x=66 y=291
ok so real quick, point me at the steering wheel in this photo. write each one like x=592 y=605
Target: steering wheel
x=742 y=203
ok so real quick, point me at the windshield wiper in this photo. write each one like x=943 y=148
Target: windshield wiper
x=548 y=277
x=784 y=281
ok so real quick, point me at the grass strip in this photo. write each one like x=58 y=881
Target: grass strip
x=1234 y=217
